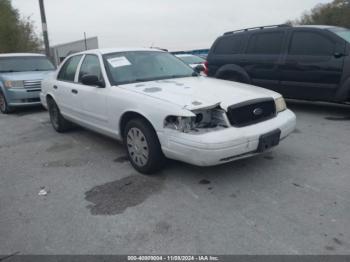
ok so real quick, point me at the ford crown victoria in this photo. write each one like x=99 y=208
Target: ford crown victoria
x=161 y=108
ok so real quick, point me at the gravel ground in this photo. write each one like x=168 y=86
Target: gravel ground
x=293 y=200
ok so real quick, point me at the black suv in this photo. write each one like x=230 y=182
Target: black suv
x=302 y=62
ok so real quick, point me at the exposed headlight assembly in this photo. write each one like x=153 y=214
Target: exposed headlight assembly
x=14 y=84
x=205 y=120
x=180 y=123
x=280 y=104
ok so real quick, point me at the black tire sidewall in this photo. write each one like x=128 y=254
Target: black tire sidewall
x=62 y=125
x=156 y=157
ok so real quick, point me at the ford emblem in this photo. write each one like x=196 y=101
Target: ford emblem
x=258 y=111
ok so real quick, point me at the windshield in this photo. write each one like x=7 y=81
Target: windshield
x=25 y=64
x=345 y=34
x=138 y=66
x=192 y=59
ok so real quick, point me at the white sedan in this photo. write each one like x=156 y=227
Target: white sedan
x=161 y=108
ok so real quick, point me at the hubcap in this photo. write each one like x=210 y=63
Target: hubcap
x=2 y=102
x=137 y=146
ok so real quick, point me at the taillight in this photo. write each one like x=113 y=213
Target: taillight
x=206 y=71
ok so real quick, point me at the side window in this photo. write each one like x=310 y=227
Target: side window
x=68 y=70
x=228 y=45
x=309 y=43
x=90 y=66
x=265 y=43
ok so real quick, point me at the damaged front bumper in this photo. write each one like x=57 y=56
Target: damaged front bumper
x=222 y=146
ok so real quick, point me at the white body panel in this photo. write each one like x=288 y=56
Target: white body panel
x=101 y=109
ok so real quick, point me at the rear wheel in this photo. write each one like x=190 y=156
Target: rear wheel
x=4 y=107
x=143 y=147
x=235 y=78
x=57 y=120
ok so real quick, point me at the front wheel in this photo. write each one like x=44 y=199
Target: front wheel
x=143 y=147
x=57 y=120
x=4 y=107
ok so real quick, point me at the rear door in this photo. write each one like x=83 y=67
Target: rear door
x=226 y=50
x=64 y=86
x=311 y=69
x=263 y=56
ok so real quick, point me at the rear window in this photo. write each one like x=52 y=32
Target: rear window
x=192 y=59
x=228 y=45
x=69 y=69
x=25 y=64
x=311 y=43
x=265 y=43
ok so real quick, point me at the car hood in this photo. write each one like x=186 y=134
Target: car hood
x=200 y=92
x=35 y=75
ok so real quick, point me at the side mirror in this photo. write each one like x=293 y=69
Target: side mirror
x=199 y=68
x=92 y=80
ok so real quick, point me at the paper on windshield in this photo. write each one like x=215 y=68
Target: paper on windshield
x=119 y=61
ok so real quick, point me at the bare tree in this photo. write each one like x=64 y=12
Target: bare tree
x=336 y=13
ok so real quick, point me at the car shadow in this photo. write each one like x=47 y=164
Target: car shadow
x=23 y=111
x=329 y=111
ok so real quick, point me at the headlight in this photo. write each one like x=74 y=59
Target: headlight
x=280 y=104
x=180 y=123
x=14 y=84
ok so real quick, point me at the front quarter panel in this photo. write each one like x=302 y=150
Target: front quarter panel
x=46 y=86
x=154 y=110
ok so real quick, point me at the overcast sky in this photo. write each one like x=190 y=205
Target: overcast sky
x=172 y=24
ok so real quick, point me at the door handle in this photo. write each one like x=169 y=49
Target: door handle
x=55 y=87
x=74 y=91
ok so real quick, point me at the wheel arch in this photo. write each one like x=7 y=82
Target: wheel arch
x=232 y=69
x=49 y=96
x=127 y=116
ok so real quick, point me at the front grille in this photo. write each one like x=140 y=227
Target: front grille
x=32 y=84
x=251 y=112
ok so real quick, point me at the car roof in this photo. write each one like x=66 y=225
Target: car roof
x=20 y=54
x=273 y=27
x=317 y=26
x=104 y=51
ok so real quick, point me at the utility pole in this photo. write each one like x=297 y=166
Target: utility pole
x=44 y=25
x=85 y=41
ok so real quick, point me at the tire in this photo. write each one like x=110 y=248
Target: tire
x=4 y=107
x=143 y=147
x=58 y=122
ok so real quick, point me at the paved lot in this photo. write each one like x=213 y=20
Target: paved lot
x=294 y=200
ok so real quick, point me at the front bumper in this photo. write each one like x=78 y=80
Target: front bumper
x=223 y=146
x=22 y=97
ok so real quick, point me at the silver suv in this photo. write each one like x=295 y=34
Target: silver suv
x=20 y=79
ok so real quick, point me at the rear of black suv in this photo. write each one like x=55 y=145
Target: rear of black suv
x=303 y=62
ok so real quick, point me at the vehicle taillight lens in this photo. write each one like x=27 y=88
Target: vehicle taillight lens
x=206 y=71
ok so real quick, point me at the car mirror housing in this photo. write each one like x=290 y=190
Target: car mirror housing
x=92 y=80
